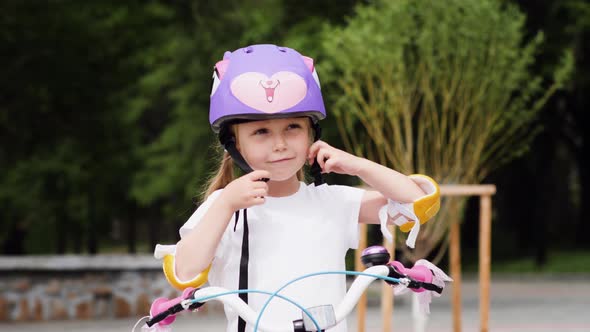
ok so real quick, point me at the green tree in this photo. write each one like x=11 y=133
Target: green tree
x=67 y=147
x=103 y=111
x=566 y=25
x=440 y=88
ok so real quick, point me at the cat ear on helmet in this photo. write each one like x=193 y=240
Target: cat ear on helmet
x=221 y=68
x=309 y=63
x=218 y=73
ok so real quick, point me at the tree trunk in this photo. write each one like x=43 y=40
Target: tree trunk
x=61 y=230
x=583 y=224
x=153 y=228
x=77 y=239
x=546 y=187
x=14 y=244
x=92 y=231
x=132 y=229
x=54 y=192
x=581 y=108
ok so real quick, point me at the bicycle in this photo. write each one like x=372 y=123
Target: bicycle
x=423 y=278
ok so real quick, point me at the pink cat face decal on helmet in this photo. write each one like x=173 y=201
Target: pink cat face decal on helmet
x=279 y=92
x=264 y=81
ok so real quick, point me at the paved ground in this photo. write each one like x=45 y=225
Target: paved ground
x=548 y=304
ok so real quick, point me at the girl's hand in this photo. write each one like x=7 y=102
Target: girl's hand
x=246 y=191
x=334 y=160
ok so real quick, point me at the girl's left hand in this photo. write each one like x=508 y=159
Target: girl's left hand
x=334 y=160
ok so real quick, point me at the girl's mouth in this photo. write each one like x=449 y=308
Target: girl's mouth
x=280 y=160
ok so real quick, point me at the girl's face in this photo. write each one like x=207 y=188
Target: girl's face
x=279 y=146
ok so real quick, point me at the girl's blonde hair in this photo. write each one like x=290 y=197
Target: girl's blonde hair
x=226 y=173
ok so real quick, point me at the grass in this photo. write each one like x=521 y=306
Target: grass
x=557 y=262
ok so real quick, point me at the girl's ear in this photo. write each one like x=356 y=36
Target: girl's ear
x=310 y=131
x=234 y=131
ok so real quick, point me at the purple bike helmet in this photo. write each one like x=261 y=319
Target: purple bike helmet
x=264 y=82
x=261 y=82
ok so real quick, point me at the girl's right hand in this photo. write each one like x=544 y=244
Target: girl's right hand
x=246 y=191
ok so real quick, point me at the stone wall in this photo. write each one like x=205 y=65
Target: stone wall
x=80 y=287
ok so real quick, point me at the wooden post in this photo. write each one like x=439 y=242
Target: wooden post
x=362 y=304
x=485 y=245
x=484 y=251
x=386 y=291
x=455 y=265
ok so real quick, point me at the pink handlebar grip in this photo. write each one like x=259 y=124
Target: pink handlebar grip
x=162 y=304
x=417 y=272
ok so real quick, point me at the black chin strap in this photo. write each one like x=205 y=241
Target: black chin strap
x=230 y=147
x=315 y=169
x=243 y=275
x=229 y=143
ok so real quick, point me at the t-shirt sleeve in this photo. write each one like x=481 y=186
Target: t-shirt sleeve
x=197 y=216
x=348 y=200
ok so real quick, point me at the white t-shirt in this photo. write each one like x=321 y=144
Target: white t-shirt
x=307 y=232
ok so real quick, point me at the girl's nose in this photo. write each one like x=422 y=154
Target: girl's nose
x=280 y=143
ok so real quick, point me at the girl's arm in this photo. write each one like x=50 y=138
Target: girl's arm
x=386 y=182
x=195 y=251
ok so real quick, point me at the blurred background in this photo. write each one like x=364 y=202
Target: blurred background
x=106 y=145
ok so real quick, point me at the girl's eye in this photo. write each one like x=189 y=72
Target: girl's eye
x=261 y=131
x=294 y=126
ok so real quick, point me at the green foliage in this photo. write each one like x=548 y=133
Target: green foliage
x=444 y=88
x=104 y=107
x=172 y=95
x=63 y=139
x=455 y=75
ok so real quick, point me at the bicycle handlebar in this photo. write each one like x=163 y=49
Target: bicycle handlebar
x=421 y=278
x=192 y=299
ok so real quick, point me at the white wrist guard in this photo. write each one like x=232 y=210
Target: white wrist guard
x=409 y=216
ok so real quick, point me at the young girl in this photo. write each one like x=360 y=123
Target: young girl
x=266 y=227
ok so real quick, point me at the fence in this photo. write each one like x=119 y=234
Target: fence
x=79 y=287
